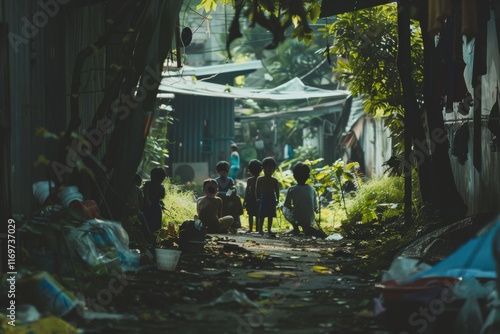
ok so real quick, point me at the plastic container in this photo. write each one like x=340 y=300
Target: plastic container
x=192 y=236
x=69 y=194
x=392 y=291
x=87 y=209
x=166 y=259
x=47 y=294
x=41 y=190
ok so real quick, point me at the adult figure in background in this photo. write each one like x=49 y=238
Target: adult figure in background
x=235 y=162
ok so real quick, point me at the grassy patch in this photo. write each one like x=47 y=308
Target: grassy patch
x=180 y=204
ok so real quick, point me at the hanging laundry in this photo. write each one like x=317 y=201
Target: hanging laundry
x=439 y=11
x=494 y=120
x=469 y=18
x=460 y=146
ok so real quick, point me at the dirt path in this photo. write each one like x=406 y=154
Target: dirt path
x=247 y=284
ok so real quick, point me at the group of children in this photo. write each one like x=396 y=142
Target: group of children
x=220 y=207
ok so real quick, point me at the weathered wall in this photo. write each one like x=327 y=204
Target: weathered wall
x=203 y=130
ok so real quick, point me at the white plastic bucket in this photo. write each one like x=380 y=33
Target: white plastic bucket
x=166 y=259
x=41 y=190
x=69 y=194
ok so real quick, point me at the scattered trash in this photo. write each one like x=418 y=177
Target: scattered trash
x=321 y=270
x=402 y=267
x=469 y=319
x=334 y=236
x=27 y=313
x=47 y=294
x=268 y=273
x=166 y=259
x=41 y=190
x=192 y=236
x=107 y=316
x=104 y=245
x=48 y=325
x=236 y=296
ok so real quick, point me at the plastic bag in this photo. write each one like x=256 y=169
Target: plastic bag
x=403 y=267
x=469 y=319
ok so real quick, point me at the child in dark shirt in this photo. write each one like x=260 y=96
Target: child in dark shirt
x=250 y=202
x=267 y=192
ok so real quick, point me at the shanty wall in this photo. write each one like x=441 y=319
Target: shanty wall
x=203 y=130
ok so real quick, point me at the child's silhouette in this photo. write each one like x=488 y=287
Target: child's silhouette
x=267 y=192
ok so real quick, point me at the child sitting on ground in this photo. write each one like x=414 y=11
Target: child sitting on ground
x=301 y=199
x=209 y=208
x=232 y=206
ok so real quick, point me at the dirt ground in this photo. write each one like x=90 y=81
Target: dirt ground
x=242 y=284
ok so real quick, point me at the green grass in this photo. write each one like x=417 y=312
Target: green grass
x=180 y=203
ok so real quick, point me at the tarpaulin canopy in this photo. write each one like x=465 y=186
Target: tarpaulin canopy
x=476 y=258
x=291 y=90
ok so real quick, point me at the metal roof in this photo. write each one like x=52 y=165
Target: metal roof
x=204 y=71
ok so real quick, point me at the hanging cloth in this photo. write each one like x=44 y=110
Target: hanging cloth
x=494 y=120
x=460 y=146
x=439 y=10
x=469 y=18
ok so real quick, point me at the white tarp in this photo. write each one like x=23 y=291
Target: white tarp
x=292 y=90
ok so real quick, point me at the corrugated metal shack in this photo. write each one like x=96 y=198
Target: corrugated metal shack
x=42 y=42
x=41 y=39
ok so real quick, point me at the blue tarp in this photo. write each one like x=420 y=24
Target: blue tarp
x=473 y=259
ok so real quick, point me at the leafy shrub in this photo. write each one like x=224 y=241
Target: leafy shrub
x=380 y=202
x=180 y=203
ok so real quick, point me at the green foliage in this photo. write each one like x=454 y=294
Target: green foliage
x=379 y=202
x=296 y=59
x=180 y=204
x=155 y=149
x=365 y=42
x=298 y=13
x=302 y=153
x=325 y=179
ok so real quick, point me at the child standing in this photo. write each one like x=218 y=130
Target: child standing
x=267 y=192
x=250 y=201
x=302 y=200
x=154 y=192
x=209 y=208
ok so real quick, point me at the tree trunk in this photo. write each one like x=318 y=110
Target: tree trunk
x=154 y=42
